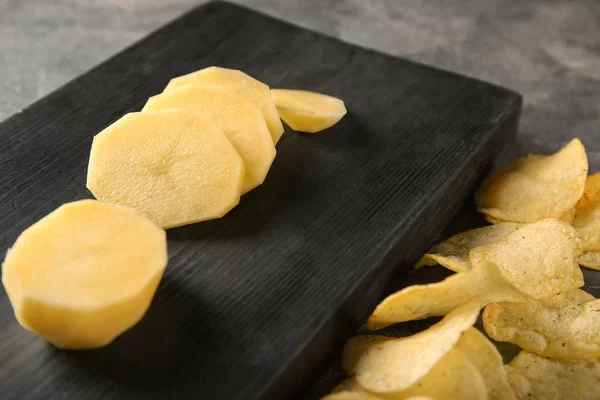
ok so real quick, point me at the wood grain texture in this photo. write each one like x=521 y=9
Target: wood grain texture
x=255 y=304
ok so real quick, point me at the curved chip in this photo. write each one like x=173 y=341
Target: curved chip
x=488 y=361
x=587 y=218
x=396 y=364
x=590 y=260
x=350 y=396
x=454 y=252
x=536 y=377
x=565 y=326
x=535 y=187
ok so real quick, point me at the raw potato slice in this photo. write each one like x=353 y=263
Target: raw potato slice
x=587 y=218
x=452 y=377
x=488 y=361
x=539 y=378
x=307 y=111
x=242 y=84
x=535 y=187
x=454 y=252
x=175 y=167
x=565 y=326
x=241 y=120
x=85 y=273
x=397 y=364
x=537 y=261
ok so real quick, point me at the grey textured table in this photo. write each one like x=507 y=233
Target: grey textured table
x=547 y=50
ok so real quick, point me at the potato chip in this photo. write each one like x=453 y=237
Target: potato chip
x=587 y=218
x=590 y=260
x=567 y=216
x=350 y=396
x=488 y=361
x=454 y=252
x=535 y=187
x=536 y=377
x=536 y=261
x=452 y=377
x=565 y=326
x=396 y=364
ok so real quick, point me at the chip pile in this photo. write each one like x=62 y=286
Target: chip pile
x=524 y=271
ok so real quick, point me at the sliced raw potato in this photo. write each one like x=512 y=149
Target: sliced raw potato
x=565 y=326
x=535 y=187
x=396 y=364
x=306 y=111
x=454 y=252
x=241 y=120
x=590 y=260
x=488 y=361
x=453 y=377
x=536 y=261
x=587 y=218
x=536 y=377
x=174 y=166
x=240 y=83
x=85 y=273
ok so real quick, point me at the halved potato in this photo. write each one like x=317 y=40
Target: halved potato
x=306 y=111
x=240 y=83
x=174 y=166
x=85 y=273
x=241 y=120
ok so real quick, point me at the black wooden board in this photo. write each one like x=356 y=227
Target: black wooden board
x=254 y=305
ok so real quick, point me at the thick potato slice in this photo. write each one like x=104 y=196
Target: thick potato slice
x=241 y=120
x=174 y=166
x=240 y=83
x=539 y=378
x=393 y=365
x=536 y=261
x=85 y=273
x=306 y=111
x=454 y=252
x=488 y=361
x=535 y=187
x=565 y=326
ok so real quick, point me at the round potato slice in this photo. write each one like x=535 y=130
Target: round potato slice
x=565 y=326
x=240 y=83
x=485 y=357
x=85 y=273
x=535 y=187
x=454 y=252
x=396 y=364
x=306 y=111
x=172 y=165
x=241 y=120
x=536 y=377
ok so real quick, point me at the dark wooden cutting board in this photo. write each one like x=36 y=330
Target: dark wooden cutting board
x=255 y=304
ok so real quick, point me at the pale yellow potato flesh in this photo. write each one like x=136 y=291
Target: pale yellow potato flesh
x=242 y=84
x=306 y=111
x=241 y=120
x=85 y=273
x=174 y=166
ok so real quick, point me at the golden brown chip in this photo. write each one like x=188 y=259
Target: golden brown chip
x=536 y=261
x=454 y=252
x=565 y=326
x=587 y=218
x=590 y=260
x=485 y=357
x=539 y=378
x=345 y=395
x=396 y=364
x=535 y=187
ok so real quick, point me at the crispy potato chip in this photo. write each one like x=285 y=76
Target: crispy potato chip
x=535 y=187
x=452 y=377
x=536 y=261
x=587 y=218
x=488 y=361
x=396 y=364
x=568 y=217
x=565 y=326
x=345 y=395
x=356 y=347
x=590 y=260
x=454 y=252
x=536 y=377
